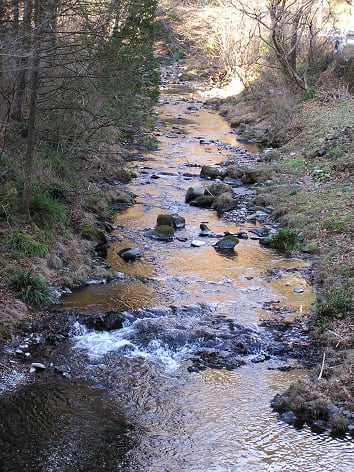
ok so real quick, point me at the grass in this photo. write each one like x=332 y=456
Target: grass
x=285 y=240
x=335 y=303
x=30 y=288
x=26 y=244
x=46 y=212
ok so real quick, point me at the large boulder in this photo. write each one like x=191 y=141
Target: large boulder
x=225 y=202
x=193 y=193
x=226 y=243
x=217 y=188
x=161 y=233
x=130 y=254
x=210 y=172
x=173 y=220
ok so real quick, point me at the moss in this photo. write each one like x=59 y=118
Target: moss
x=89 y=231
x=166 y=220
x=204 y=201
x=164 y=229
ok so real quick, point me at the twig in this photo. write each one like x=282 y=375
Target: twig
x=322 y=367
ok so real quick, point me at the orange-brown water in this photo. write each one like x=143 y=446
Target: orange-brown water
x=210 y=421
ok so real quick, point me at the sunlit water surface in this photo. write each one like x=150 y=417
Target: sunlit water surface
x=136 y=407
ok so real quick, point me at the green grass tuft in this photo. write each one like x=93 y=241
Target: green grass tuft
x=46 y=212
x=26 y=244
x=285 y=240
x=335 y=303
x=30 y=288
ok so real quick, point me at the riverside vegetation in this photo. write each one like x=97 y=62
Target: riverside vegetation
x=71 y=107
x=306 y=174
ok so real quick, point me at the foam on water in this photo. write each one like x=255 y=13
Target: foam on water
x=99 y=343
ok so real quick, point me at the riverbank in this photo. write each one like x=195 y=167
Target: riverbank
x=310 y=188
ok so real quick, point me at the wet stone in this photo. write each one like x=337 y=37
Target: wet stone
x=130 y=254
x=288 y=417
x=37 y=367
x=196 y=243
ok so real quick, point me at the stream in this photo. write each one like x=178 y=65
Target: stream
x=168 y=390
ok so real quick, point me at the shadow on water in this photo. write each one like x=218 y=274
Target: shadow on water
x=59 y=425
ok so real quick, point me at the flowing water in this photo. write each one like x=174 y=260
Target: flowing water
x=134 y=401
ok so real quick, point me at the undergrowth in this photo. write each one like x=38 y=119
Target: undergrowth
x=26 y=244
x=30 y=288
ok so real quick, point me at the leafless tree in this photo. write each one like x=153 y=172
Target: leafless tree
x=288 y=28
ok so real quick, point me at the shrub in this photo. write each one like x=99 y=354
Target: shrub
x=124 y=176
x=285 y=240
x=46 y=212
x=26 y=244
x=30 y=288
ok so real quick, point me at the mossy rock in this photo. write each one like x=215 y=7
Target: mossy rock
x=91 y=233
x=311 y=248
x=234 y=172
x=225 y=202
x=161 y=233
x=212 y=173
x=273 y=155
x=164 y=229
x=251 y=176
x=260 y=200
x=172 y=220
x=227 y=243
x=205 y=201
x=247 y=135
x=218 y=188
x=193 y=193
x=123 y=175
x=121 y=199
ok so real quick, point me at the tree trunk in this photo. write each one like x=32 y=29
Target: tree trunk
x=34 y=88
x=294 y=42
x=22 y=62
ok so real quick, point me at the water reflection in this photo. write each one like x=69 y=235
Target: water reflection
x=215 y=420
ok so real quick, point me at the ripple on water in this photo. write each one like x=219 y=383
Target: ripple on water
x=216 y=420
